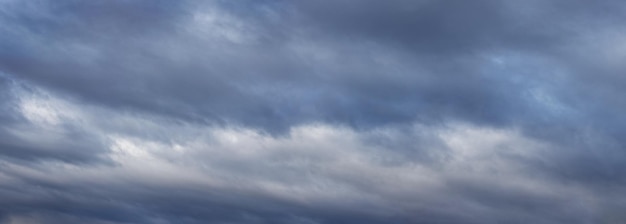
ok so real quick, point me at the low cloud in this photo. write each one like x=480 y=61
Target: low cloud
x=153 y=169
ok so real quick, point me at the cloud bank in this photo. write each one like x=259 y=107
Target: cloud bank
x=310 y=112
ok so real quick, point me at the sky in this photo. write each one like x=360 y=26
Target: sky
x=312 y=112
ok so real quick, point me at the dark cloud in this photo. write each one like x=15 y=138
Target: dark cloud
x=336 y=111
x=339 y=81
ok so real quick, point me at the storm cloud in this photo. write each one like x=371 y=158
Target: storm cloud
x=303 y=112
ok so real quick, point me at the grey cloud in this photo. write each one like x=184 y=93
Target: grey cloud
x=311 y=111
x=25 y=136
x=196 y=74
x=315 y=174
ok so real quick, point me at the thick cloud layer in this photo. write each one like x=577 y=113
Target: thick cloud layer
x=323 y=111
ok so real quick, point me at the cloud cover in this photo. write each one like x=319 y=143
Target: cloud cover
x=336 y=111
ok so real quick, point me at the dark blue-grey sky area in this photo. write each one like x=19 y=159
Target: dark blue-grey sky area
x=312 y=111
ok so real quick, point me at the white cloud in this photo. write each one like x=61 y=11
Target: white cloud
x=312 y=164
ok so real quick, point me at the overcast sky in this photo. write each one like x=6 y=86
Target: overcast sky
x=312 y=111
